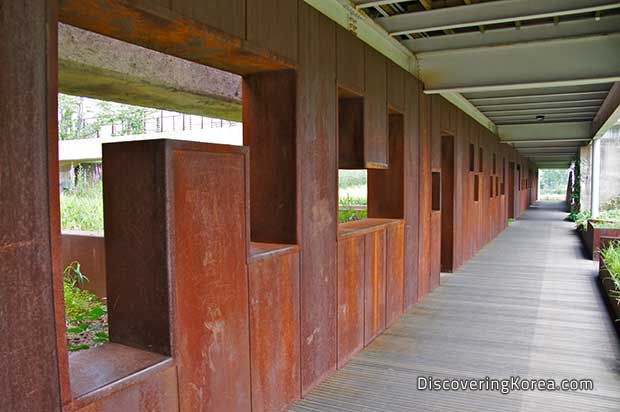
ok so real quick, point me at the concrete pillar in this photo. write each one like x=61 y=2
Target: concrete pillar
x=595 y=170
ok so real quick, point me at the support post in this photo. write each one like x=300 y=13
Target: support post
x=595 y=170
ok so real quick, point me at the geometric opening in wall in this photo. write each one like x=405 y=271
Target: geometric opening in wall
x=491 y=186
x=480 y=159
x=476 y=188
x=471 y=157
x=436 y=191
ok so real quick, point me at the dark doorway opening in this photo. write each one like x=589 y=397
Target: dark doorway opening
x=511 y=190
x=447 y=203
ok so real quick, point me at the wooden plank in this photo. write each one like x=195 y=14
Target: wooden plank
x=375 y=111
x=351 y=57
x=272 y=24
x=269 y=129
x=29 y=360
x=317 y=154
x=351 y=261
x=274 y=332
x=374 y=285
x=395 y=277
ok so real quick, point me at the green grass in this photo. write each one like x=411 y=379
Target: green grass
x=82 y=207
x=352 y=195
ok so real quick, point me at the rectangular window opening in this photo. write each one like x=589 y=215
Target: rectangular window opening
x=436 y=189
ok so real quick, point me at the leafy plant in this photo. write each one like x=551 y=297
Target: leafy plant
x=611 y=260
x=85 y=313
x=581 y=220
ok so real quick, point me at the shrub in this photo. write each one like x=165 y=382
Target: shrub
x=611 y=260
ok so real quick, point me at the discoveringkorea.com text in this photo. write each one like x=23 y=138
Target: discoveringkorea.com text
x=504 y=386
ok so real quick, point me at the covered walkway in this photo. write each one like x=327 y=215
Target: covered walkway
x=533 y=312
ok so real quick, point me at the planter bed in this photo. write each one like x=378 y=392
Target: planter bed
x=592 y=236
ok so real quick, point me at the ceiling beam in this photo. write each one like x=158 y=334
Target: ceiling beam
x=515 y=142
x=609 y=113
x=537 y=132
x=550 y=97
x=540 y=105
x=488 y=13
x=554 y=63
x=573 y=28
x=542 y=111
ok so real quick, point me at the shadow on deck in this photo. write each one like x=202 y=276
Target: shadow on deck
x=527 y=305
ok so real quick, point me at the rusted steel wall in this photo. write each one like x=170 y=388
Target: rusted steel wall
x=168 y=292
x=89 y=250
x=29 y=363
x=274 y=330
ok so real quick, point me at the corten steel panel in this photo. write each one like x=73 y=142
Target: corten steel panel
x=269 y=130
x=351 y=262
x=447 y=203
x=274 y=332
x=317 y=154
x=351 y=133
x=424 y=268
x=374 y=285
x=88 y=249
x=445 y=109
x=170 y=32
x=211 y=320
x=395 y=279
x=436 y=128
x=135 y=244
x=273 y=25
x=151 y=390
x=396 y=87
x=435 y=249
x=411 y=186
x=460 y=174
x=351 y=56
x=510 y=190
x=386 y=186
x=28 y=360
x=375 y=111
x=225 y=15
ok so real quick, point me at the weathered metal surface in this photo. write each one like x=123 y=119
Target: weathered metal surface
x=521 y=276
x=29 y=362
x=274 y=332
x=153 y=389
x=273 y=25
x=351 y=55
x=374 y=285
x=228 y=16
x=104 y=365
x=447 y=203
x=395 y=88
x=317 y=150
x=270 y=131
x=173 y=32
x=411 y=148
x=386 y=186
x=351 y=261
x=435 y=247
x=350 y=132
x=395 y=277
x=424 y=223
x=210 y=303
x=136 y=242
x=375 y=111
x=89 y=250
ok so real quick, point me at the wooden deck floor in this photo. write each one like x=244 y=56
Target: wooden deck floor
x=527 y=305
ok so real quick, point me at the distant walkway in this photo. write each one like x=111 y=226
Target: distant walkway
x=527 y=305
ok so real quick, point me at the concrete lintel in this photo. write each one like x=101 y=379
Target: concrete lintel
x=100 y=67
